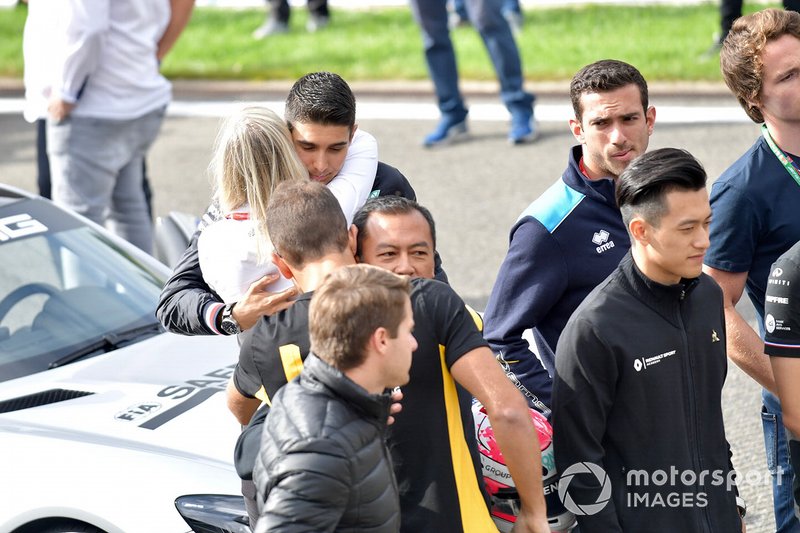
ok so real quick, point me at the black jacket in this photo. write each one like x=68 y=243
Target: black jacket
x=188 y=306
x=639 y=373
x=323 y=464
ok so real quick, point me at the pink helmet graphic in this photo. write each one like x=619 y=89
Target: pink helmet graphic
x=504 y=498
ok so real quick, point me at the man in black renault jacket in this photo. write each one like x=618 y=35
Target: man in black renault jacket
x=640 y=368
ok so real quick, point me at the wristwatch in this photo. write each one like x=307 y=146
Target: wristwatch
x=229 y=325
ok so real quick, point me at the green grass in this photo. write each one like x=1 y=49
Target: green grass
x=664 y=42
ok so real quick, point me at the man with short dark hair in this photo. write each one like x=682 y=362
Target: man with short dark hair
x=433 y=448
x=323 y=448
x=571 y=237
x=321 y=113
x=641 y=364
x=397 y=234
x=755 y=209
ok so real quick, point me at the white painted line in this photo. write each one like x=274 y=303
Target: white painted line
x=428 y=111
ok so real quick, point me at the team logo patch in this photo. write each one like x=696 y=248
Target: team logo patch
x=600 y=237
x=769 y=323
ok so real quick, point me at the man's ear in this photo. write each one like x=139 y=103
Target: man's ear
x=577 y=129
x=283 y=268
x=353 y=131
x=639 y=230
x=753 y=104
x=650 y=117
x=352 y=241
x=380 y=340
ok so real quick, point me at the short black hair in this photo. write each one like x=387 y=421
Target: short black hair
x=643 y=186
x=321 y=98
x=389 y=205
x=604 y=76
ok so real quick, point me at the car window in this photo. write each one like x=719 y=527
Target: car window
x=63 y=284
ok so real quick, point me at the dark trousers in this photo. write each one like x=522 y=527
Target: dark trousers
x=730 y=10
x=42 y=162
x=279 y=9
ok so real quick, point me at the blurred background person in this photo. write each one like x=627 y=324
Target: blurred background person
x=96 y=74
x=511 y=11
x=730 y=10
x=486 y=16
x=277 y=20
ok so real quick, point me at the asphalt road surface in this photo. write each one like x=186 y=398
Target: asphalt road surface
x=475 y=190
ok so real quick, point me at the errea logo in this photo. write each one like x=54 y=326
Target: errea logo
x=600 y=238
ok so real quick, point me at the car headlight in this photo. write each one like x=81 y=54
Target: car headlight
x=214 y=513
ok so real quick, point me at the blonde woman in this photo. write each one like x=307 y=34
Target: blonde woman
x=253 y=153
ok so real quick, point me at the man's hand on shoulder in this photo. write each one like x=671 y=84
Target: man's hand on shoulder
x=257 y=302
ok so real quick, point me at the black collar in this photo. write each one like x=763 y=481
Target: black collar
x=663 y=299
x=373 y=405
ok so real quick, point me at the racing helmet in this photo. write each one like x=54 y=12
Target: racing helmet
x=505 y=504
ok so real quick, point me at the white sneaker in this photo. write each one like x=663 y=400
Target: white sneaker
x=316 y=23
x=270 y=27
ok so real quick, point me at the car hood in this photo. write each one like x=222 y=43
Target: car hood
x=163 y=395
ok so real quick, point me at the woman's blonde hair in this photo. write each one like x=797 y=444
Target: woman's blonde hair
x=253 y=153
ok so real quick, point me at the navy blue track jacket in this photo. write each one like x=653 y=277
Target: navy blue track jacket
x=561 y=247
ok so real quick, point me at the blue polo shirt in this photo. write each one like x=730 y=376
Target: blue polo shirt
x=756 y=218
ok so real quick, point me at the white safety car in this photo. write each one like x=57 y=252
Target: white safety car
x=107 y=423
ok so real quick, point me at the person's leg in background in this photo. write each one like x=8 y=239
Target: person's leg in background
x=794 y=459
x=129 y=216
x=43 y=180
x=513 y=14
x=431 y=15
x=458 y=15
x=148 y=192
x=777 y=450
x=318 y=15
x=792 y=5
x=729 y=10
x=87 y=158
x=496 y=33
x=277 y=20
x=42 y=162
x=84 y=161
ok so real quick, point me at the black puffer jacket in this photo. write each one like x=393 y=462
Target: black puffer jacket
x=323 y=464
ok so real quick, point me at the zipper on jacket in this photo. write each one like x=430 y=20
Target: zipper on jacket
x=689 y=376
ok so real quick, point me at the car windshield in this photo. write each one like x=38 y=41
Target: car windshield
x=65 y=286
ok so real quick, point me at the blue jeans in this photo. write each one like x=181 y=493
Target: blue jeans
x=486 y=16
x=777 y=450
x=509 y=6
